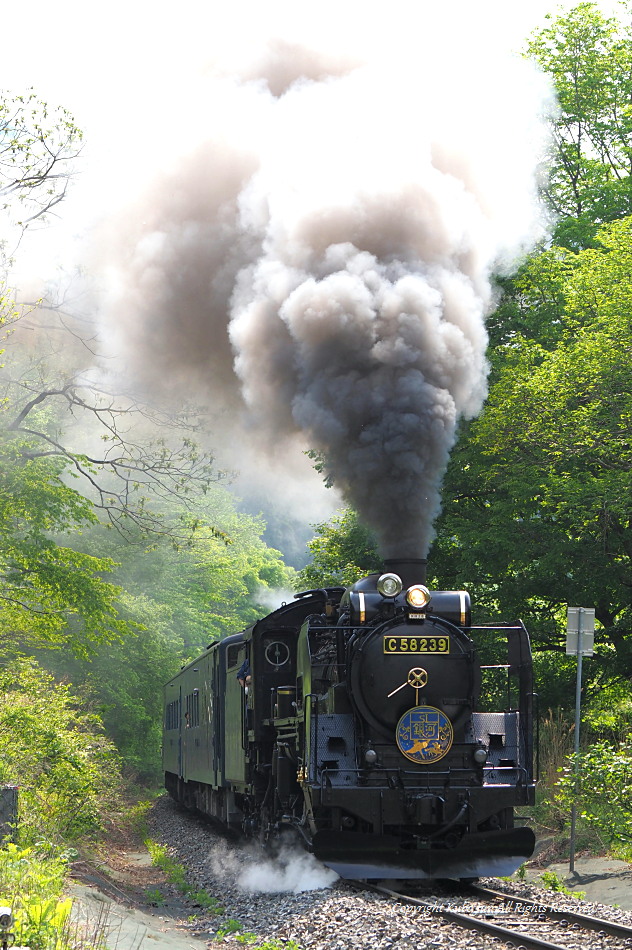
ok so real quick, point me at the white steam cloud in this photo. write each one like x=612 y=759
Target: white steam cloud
x=290 y=870
x=293 y=871
x=319 y=261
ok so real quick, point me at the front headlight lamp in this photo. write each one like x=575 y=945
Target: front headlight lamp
x=389 y=585
x=418 y=596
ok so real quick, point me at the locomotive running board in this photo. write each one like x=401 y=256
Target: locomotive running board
x=486 y=854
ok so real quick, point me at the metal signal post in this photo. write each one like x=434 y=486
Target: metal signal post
x=580 y=639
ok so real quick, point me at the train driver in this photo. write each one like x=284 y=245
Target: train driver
x=243 y=674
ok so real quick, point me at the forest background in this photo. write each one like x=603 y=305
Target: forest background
x=123 y=551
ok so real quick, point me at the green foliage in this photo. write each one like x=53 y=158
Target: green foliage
x=229 y=926
x=27 y=870
x=275 y=944
x=161 y=858
x=40 y=923
x=342 y=551
x=538 y=493
x=608 y=710
x=589 y=58
x=602 y=789
x=205 y=590
x=67 y=770
x=49 y=593
x=533 y=304
x=155 y=897
x=31 y=884
x=204 y=900
x=252 y=940
x=553 y=882
x=175 y=603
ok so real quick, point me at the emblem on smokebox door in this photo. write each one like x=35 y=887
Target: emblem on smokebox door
x=424 y=734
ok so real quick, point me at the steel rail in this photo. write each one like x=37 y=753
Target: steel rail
x=515 y=938
x=585 y=920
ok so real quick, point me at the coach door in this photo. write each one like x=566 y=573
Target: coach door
x=180 y=735
x=234 y=712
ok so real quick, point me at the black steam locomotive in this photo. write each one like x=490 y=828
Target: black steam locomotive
x=366 y=729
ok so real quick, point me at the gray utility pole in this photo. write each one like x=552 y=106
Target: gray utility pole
x=580 y=640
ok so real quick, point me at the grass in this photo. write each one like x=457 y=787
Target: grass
x=176 y=875
x=553 y=882
x=155 y=897
x=250 y=939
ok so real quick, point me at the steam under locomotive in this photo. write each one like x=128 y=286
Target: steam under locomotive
x=366 y=730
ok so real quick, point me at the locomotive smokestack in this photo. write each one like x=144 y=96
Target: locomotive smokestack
x=411 y=570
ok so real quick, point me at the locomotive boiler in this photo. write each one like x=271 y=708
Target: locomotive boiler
x=389 y=734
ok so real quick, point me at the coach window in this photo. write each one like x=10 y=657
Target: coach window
x=233 y=659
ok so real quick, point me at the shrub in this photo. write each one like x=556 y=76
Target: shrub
x=602 y=790
x=67 y=770
x=31 y=884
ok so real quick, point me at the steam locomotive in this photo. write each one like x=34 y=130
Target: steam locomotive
x=367 y=730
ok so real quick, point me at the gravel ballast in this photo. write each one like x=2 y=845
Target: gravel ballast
x=296 y=898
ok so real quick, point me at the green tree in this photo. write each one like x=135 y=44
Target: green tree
x=67 y=770
x=538 y=496
x=587 y=181
x=602 y=767
x=49 y=593
x=176 y=601
x=589 y=58
x=72 y=454
x=342 y=550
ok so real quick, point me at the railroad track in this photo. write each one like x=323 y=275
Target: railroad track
x=517 y=921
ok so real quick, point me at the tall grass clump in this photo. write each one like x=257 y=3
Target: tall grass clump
x=556 y=738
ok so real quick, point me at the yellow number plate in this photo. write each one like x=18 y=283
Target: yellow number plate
x=416 y=644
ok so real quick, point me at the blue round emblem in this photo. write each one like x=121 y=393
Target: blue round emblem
x=424 y=734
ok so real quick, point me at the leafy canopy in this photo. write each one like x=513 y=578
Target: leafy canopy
x=342 y=551
x=589 y=57
x=538 y=495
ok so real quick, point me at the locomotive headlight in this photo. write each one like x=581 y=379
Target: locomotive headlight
x=480 y=755
x=389 y=585
x=418 y=596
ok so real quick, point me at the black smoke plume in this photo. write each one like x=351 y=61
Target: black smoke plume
x=320 y=263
